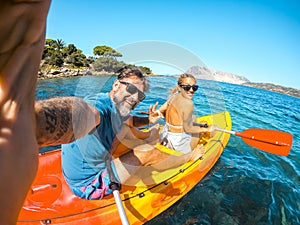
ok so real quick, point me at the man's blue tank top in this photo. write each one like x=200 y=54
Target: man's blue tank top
x=85 y=157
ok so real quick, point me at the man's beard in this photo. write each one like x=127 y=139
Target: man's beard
x=122 y=106
x=124 y=111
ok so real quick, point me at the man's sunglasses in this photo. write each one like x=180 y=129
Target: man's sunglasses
x=131 y=89
x=188 y=87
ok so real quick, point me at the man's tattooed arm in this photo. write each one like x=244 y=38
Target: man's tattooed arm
x=63 y=120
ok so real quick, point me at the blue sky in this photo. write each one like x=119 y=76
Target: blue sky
x=255 y=39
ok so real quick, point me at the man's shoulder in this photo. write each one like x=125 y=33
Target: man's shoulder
x=96 y=96
x=99 y=97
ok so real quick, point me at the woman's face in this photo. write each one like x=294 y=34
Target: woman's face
x=188 y=87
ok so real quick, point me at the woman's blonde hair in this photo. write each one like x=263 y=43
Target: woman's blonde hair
x=179 y=82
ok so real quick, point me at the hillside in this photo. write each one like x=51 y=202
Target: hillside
x=275 y=88
x=210 y=74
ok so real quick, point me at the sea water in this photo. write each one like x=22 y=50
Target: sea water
x=246 y=185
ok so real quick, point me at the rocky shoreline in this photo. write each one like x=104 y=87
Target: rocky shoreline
x=68 y=72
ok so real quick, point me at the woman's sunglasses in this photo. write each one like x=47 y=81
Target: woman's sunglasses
x=188 y=87
x=131 y=89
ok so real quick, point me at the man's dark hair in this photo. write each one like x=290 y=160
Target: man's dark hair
x=128 y=72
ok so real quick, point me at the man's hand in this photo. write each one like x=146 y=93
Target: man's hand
x=154 y=114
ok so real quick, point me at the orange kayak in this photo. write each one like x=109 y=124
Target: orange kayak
x=50 y=201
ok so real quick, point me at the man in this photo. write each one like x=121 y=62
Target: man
x=84 y=161
x=22 y=36
x=112 y=109
x=95 y=124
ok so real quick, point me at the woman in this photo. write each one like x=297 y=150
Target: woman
x=179 y=133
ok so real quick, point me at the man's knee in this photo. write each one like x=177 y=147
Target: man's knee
x=149 y=155
x=144 y=148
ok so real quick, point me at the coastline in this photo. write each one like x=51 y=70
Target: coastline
x=275 y=88
x=71 y=72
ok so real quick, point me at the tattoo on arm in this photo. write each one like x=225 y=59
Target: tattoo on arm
x=62 y=120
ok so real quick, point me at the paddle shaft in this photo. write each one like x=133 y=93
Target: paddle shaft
x=115 y=186
x=120 y=207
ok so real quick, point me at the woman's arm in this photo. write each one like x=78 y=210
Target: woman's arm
x=188 y=120
x=163 y=108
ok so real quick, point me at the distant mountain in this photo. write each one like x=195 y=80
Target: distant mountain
x=210 y=74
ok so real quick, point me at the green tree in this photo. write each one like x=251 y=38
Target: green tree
x=114 y=53
x=55 y=59
x=106 y=51
x=56 y=54
x=77 y=59
x=74 y=56
x=145 y=70
x=59 y=44
x=69 y=49
x=48 y=48
x=91 y=59
x=108 y=64
x=52 y=52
